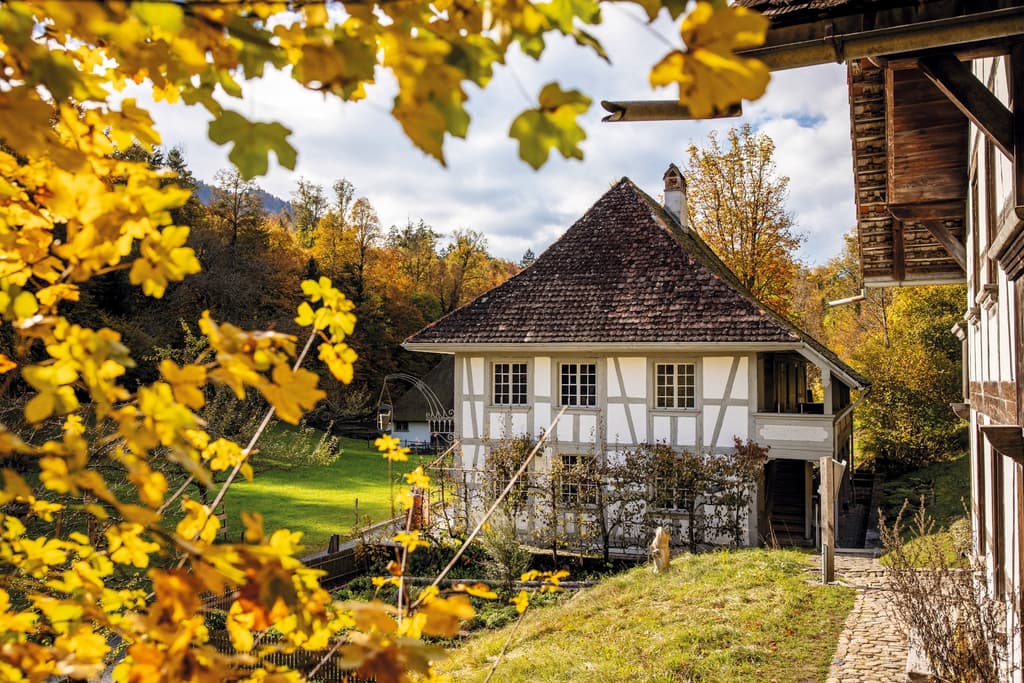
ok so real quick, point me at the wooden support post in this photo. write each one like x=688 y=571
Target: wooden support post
x=1017 y=95
x=899 y=269
x=828 y=521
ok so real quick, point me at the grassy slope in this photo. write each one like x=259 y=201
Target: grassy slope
x=318 y=500
x=749 y=615
x=945 y=486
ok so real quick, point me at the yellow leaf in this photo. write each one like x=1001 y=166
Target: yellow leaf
x=198 y=522
x=126 y=546
x=293 y=392
x=445 y=614
x=239 y=625
x=373 y=616
x=551 y=124
x=709 y=74
x=411 y=540
x=305 y=316
x=25 y=305
x=477 y=590
x=187 y=382
x=521 y=601
x=253 y=523
x=417 y=478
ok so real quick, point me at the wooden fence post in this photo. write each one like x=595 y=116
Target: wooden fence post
x=828 y=525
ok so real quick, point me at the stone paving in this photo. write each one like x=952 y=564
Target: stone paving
x=871 y=648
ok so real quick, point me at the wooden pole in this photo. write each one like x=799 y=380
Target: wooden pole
x=828 y=523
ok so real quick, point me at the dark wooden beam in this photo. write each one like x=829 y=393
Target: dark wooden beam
x=949 y=242
x=1006 y=439
x=1017 y=100
x=961 y=410
x=945 y=209
x=899 y=268
x=977 y=102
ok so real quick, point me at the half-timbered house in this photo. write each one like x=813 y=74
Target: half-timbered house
x=633 y=324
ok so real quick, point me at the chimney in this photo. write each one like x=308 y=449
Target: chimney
x=675 y=195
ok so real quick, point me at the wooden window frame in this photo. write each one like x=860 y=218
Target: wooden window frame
x=672 y=390
x=570 y=378
x=504 y=374
x=584 y=492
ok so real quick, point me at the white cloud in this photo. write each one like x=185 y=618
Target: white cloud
x=487 y=188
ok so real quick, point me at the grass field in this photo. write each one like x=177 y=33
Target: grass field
x=748 y=615
x=318 y=500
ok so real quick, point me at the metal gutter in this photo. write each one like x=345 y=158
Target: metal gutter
x=910 y=37
x=525 y=348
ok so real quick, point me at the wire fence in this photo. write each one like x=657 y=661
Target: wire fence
x=300 y=660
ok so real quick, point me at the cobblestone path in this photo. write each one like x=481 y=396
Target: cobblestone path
x=871 y=648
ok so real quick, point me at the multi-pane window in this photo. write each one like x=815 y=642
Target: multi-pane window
x=579 y=384
x=674 y=385
x=509 y=384
x=671 y=494
x=578 y=481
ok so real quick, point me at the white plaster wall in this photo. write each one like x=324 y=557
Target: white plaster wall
x=417 y=432
x=473 y=376
x=634 y=376
x=1006 y=338
x=618 y=425
x=661 y=428
x=588 y=428
x=518 y=424
x=741 y=383
x=774 y=432
x=736 y=423
x=478 y=412
x=686 y=431
x=541 y=416
x=496 y=425
x=466 y=421
x=710 y=415
x=639 y=413
x=715 y=371
x=542 y=376
x=472 y=456
x=613 y=379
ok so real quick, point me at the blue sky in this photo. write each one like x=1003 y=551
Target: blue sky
x=487 y=188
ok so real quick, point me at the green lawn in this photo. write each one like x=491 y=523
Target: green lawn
x=747 y=615
x=318 y=500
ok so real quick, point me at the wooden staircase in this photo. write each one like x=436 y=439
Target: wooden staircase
x=785 y=484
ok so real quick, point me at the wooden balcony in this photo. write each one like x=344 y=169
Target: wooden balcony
x=802 y=436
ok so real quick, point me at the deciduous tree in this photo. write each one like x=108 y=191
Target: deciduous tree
x=737 y=202
x=127 y=586
x=309 y=205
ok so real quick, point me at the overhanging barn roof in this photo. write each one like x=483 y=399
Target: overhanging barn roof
x=910 y=102
x=412 y=406
x=625 y=273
